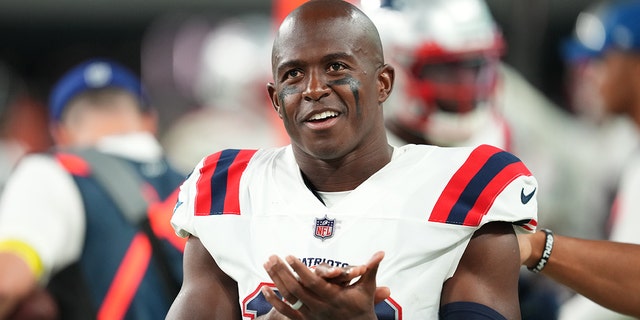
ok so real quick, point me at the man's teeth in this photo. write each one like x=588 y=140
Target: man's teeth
x=324 y=115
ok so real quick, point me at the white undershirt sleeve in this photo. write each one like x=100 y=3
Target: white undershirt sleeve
x=41 y=205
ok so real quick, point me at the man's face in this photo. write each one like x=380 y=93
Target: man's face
x=582 y=80
x=87 y=120
x=327 y=87
x=619 y=81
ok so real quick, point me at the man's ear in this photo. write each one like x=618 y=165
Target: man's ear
x=273 y=95
x=386 y=78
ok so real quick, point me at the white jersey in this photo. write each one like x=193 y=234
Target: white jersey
x=626 y=216
x=421 y=209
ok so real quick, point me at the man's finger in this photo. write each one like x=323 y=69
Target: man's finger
x=278 y=304
x=372 y=265
x=285 y=280
x=381 y=294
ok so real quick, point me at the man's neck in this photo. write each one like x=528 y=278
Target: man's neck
x=346 y=173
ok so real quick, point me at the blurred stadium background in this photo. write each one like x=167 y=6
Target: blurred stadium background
x=40 y=38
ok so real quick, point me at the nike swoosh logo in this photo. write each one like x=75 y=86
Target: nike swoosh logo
x=526 y=198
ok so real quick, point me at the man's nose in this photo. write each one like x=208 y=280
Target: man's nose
x=316 y=88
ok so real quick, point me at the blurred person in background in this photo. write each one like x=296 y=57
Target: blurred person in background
x=454 y=90
x=231 y=70
x=612 y=134
x=451 y=64
x=608 y=39
x=101 y=254
x=23 y=122
x=23 y=130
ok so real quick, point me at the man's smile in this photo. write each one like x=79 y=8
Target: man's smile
x=323 y=116
x=322 y=120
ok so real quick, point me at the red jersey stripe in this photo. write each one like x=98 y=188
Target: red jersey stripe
x=458 y=182
x=218 y=187
x=232 y=198
x=202 y=205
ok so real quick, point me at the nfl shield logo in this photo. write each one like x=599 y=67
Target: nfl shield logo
x=324 y=228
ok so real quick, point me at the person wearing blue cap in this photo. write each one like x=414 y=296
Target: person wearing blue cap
x=96 y=76
x=604 y=272
x=88 y=219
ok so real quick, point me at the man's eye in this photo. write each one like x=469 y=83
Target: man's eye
x=336 y=66
x=292 y=74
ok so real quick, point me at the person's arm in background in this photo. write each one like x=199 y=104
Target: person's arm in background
x=31 y=231
x=606 y=272
x=17 y=281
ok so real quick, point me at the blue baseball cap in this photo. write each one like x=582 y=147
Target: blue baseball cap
x=612 y=25
x=93 y=74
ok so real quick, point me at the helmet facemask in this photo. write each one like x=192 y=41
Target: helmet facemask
x=452 y=69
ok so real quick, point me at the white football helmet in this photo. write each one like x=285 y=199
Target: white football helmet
x=452 y=66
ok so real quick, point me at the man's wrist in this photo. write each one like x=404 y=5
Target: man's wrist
x=542 y=246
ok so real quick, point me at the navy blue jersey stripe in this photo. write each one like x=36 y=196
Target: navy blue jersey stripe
x=219 y=180
x=494 y=165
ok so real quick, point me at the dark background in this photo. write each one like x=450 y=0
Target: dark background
x=41 y=38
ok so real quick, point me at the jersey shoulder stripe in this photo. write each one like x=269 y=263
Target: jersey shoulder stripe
x=471 y=191
x=527 y=224
x=218 y=186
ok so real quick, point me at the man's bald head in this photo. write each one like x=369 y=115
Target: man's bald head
x=317 y=15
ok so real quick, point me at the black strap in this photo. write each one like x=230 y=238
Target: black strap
x=121 y=181
x=172 y=286
x=124 y=184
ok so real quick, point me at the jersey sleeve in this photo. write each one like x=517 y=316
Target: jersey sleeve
x=490 y=185
x=515 y=191
x=212 y=188
x=183 y=212
x=517 y=204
